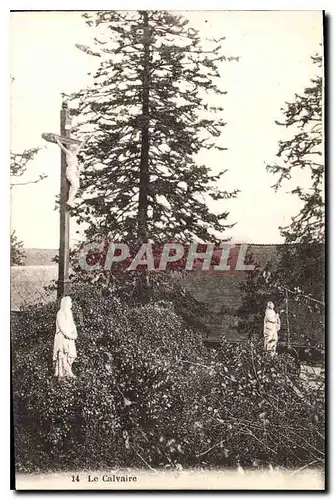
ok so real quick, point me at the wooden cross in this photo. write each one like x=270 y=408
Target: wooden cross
x=65 y=140
x=63 y=285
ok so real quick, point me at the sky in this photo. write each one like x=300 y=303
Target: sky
x=274 y=48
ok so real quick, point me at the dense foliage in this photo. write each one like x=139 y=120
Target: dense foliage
x=301 y=323
x=148 y=394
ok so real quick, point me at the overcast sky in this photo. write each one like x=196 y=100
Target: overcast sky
x=274 y=50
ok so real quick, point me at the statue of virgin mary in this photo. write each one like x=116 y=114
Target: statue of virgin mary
x=271 y=327
x=64 y=352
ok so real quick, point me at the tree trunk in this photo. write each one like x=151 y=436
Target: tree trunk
x=143 y=284
x=144 y=163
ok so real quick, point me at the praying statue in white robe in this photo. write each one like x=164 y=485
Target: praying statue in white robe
x=64 y=352
x=271 y=328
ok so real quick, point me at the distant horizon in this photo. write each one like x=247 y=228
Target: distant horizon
x=229 y=242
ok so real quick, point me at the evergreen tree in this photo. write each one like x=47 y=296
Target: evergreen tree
x=304 y=151
x=302 y=264
x=148 y=118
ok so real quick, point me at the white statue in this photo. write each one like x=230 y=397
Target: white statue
x=72 y=169
x=271 y=328
x=64 y=352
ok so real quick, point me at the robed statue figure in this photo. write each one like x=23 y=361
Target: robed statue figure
x=64 y=352
x=271 y=328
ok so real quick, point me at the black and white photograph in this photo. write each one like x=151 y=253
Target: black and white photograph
x=167 y=250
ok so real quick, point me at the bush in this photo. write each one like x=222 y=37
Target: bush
x=148 y=394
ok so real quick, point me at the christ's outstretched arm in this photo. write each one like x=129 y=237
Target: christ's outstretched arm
x=63 y=148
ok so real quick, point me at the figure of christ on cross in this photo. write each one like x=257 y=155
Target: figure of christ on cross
x=69 y=185
x=72 y=169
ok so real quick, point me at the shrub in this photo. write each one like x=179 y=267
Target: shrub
x=148 y=394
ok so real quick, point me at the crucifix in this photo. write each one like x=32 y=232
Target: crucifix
x=69 y=185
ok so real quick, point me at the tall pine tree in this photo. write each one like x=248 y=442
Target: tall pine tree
x=149 y=116
x=301 y=269
x=304 y=151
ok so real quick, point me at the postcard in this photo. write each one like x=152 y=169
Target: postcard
x=167 y=250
